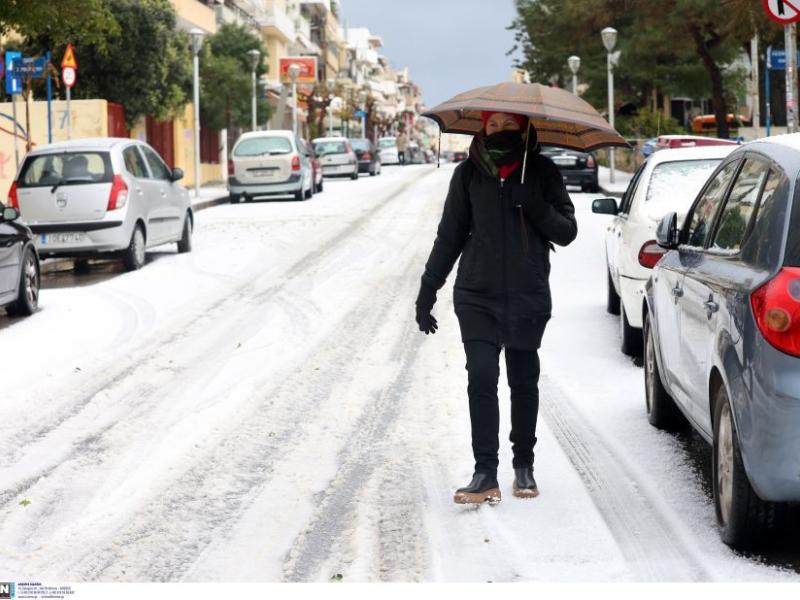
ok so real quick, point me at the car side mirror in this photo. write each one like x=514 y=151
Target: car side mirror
x=667 y=231
x=605 y=206
x=177 y=174
x=10 y=214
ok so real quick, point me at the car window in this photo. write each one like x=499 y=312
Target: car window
x=158 y=170
x=705 y=209
x=630 y=192
x=740 y=206
x=679 y=179
x=362 y=145
x=134 y=163
x=66 y=168
x=387 y=143
x=330 y=148
x=769 y=213
x=263 y=145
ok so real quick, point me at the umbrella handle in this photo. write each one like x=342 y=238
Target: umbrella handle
x=439 y=150
x=525 y=157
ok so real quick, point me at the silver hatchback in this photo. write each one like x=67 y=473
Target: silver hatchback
x=99 y=197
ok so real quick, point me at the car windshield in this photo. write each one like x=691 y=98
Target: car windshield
x=66 y=168
x=680 y=178
x=330 y=148
x=263 y=145
x=360 y=144
x=387 y=143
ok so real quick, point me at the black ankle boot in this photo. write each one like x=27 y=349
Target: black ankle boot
x=524 y=483
x=482 y=488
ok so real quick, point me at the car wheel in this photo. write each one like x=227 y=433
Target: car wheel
x=185 y=243
x=354 y=176
x=742 y=516
x=28 y=296
x=373 y=170
x=631 y=336
x=300 y=194
x=612 y=300
x=133 y=255
x=661 y=409
x=234 y=198
x=594 y=188
x=310 y=190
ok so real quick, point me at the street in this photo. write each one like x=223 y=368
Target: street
x=265 y=409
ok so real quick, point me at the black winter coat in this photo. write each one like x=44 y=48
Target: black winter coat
x=504 y=232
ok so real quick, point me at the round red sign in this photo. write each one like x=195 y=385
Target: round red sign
x=782 y=11
x=68 y=75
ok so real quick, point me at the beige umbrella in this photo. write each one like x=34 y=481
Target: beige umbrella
x=559 y=117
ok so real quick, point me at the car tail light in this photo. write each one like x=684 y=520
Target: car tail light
x=590 y=162
x=231 y=169
x=119 y=193
x=13 y=200
x=366 y=156
x=650 y=253
x=295 y=163
x=776 y=308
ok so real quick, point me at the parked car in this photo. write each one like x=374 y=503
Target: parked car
x=387 y=146
x=269 y=163
x=722 y=332
x=459 y=155
x=668 y=181
x=690 y=141
x=101 y=197
x=337 y=157
x=649 y=146
x=316 y=166
x=577 y=168
x=414 y=154
x=369 y=161
x=19 y=265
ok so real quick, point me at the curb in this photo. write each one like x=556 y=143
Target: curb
x=53 y=265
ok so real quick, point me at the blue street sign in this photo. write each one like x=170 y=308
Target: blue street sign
x=30 y=67
x=13 y=82
x=359 y=114
x=776 y=59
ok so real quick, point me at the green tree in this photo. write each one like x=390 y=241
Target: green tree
x=78 y=21
x=226 y=78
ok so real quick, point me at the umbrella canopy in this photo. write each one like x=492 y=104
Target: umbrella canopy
x=559 y=117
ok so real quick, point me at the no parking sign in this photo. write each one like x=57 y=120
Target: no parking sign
x=782 y=11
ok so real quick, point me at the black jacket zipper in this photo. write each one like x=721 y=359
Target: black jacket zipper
x=504 y=326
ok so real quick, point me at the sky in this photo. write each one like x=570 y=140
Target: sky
x=449 y=46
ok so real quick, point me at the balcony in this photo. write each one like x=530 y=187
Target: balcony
x=276 y=22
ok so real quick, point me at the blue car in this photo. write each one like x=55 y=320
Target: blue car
x=722 y=333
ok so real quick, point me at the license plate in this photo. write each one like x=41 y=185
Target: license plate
x=56 y=239
x=263 y=172
x=564 y=162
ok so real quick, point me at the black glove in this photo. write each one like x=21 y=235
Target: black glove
x=425 y=301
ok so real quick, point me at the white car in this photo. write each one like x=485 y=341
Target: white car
x=336 y=156
x=269 y=163
x=668 y=181
x=103 y=197
x=387 y=148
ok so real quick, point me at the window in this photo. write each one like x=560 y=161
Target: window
x=702 y=216
x=263 y=145
x=134 y=163
x=387 y=143
x=158 y=170
x=322 y=148
x=740 y=206
x=766 y=231
x=66 y=168
x=679 y=179
x=630 y=192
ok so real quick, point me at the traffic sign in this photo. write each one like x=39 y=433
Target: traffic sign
x=30 y=67
x=782 y=11
x=13 y=82
x=69 y=59
x=68 y=76
x=359 y=114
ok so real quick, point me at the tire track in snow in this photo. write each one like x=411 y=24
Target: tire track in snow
x=649 y=537
x=106 y=378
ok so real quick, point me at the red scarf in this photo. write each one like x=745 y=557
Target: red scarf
x=505 y=170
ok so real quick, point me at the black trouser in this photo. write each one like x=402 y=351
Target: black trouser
x=483 y=368
x=401 y=156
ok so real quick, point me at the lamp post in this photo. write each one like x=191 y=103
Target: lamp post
x=574 y=63
x=197 y=43
x=255 y=57
x=609 y=35
x=330 y=83
x=362 y=100
x=294 y=71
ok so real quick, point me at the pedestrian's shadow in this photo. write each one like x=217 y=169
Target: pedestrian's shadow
x=782 y=549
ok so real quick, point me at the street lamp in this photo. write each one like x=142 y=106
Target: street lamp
x=255 y=58
x=197 y=43
x=294 y=71
x=574 y=63
x=330 y=83
x=609 y=35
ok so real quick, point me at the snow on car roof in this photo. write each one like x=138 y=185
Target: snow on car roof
x=693 y=153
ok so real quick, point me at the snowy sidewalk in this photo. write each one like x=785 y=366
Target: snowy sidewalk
x=210 y=195
x=622 y=179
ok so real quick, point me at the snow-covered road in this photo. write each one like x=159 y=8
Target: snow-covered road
x=264 y=409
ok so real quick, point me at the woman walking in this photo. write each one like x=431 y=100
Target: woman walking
x=503 y=229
